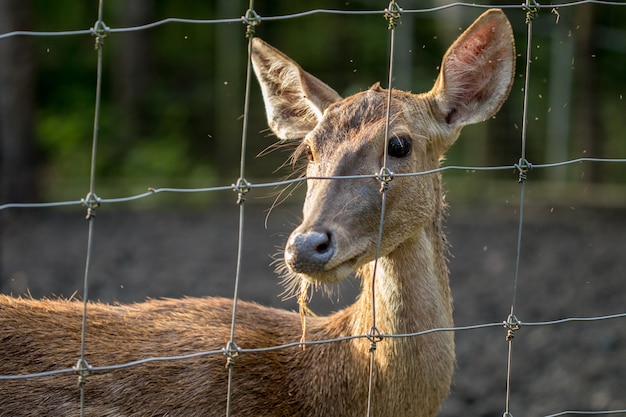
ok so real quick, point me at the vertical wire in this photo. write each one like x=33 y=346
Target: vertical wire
x=512 y=322
x=96 y=121
x=385 y=177
x=82 y=367
x=91 y=202
x=523 y=151
x=242 y=188
x=241 y=201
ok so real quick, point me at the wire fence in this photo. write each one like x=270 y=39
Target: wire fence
x=91 y=202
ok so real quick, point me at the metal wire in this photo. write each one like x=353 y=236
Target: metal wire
x=91 y=202
x=392 y=14
x=588 y=413
x=233 y=187
x=299 y=343
x=512 y=323
x=242 y=187
x=306 y=13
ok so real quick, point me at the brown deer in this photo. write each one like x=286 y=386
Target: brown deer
x=338 y=235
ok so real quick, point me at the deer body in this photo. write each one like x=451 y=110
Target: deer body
x=338 y=235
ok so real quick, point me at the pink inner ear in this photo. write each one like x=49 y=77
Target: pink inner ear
x=474 y=47
x=468 y=66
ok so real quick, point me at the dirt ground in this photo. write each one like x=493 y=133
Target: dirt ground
x=573 y=264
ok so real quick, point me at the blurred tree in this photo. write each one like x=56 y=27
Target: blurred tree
x=228 y=102
x=17 y=104
x=130 y=66
x=590 y=133
x=173 y=94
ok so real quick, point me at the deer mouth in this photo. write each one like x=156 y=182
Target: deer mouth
x=332 y=275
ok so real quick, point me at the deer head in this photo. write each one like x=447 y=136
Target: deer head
x=345 y=136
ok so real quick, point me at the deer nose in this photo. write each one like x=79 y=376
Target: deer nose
x=309 y=252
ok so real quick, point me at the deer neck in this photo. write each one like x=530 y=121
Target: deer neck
x=408 y=289
x=411 y=293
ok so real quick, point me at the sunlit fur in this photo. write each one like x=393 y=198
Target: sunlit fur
x=405 y=290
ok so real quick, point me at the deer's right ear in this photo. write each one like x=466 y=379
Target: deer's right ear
x=477 y=71
x=294 y=99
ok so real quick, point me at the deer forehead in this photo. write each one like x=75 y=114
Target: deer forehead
x=363 y=117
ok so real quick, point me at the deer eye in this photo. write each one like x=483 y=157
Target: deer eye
x=399 y=147
x=309 y=153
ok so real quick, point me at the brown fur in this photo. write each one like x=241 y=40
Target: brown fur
x=410 y=286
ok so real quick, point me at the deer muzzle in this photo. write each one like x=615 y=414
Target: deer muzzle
x=310 y=252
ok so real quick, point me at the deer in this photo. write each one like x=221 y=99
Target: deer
x=407 y=284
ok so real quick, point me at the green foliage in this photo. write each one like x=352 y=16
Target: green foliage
x=180 y=122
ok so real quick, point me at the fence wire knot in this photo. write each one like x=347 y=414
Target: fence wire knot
x=83 y=369
x=251 y=19
x=532 y=10
x=231 y=351
x=374 y=336
x=512 y=324
x=242 y=187
x=523 y=166
x=92 y=202
x=393 y=13
x=100 y=30
x=384 y=176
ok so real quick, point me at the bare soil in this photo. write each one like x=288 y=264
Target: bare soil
x=573 y=264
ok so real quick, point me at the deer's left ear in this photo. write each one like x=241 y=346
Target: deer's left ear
x=477 y=71
x=294 y=99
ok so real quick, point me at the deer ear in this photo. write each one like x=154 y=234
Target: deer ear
x=477 y=71
x=294 y=99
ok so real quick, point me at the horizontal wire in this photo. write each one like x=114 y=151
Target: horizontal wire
x=298 y=15
x=309 y=343
x=37 y=33
x=512 y=6
x=113 y=367
x=174 y=20
x=587 y=413
x=153 y=191
x=287 y=182
x=40 y=205
x=233 y=187
x=488 y=325
x=577 y=160
x=573 y=319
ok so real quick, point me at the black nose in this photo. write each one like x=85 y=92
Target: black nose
x=309 y=252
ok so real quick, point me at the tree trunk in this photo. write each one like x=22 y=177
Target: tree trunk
x=590 y=131
x=131 y=67
x=17 y=97
x=229 y=70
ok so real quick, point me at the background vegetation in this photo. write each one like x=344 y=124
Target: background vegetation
x=173 y=94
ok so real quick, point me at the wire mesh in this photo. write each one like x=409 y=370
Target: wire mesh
x=91 y=202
